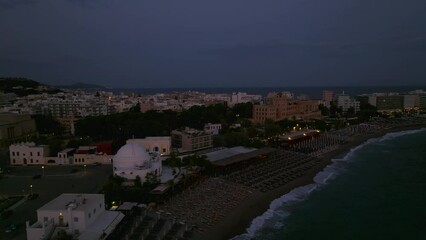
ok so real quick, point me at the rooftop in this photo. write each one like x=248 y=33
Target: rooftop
x=227 y=152
x=75 y=200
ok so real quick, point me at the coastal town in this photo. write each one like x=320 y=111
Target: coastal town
x=94 y=164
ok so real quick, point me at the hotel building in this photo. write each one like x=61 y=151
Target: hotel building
x=280 y=106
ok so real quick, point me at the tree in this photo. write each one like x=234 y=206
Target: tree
x=46 y=124
x=55 y=145
x=151 y=181
x=324 y=110
x=138 y=182
x=350 y=112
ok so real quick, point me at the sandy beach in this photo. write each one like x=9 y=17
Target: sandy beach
x=240 y=218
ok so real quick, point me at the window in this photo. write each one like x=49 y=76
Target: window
x=90 y=215
x=13 y=153
x=17 y=154
x=100 y=205
x=75 y=219
x=31 y=153
x=38 y=153
x=94 y=210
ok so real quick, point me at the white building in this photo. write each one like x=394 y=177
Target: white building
x=66 y=156
x=411 y=101
x=154 y=144
x=27 y=154
x=212 y=129
x=81 y=215
x=84 y=158
x=346 y=102
x=243 y=98
x=132 y=160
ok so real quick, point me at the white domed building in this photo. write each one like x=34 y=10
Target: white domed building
x=132 y=160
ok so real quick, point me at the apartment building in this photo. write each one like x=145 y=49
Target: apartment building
x=190 y=139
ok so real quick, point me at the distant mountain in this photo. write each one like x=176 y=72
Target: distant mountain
x=24 y=86
x=86 y=86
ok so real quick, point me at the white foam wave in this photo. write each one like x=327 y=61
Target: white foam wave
x=301 y=193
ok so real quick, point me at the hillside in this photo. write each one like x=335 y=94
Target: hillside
x=23 y=86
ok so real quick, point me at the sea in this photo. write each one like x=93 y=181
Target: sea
x=376 y=191
x=311 y=92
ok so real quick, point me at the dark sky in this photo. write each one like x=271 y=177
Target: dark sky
x=220 y=43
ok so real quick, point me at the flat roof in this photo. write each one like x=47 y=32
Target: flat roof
x=105 y=223
x=67 y=150
x=127 y=206
x=79 y=200
x=243 y=156
x=227 y=152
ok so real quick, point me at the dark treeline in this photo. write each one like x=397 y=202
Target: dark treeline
x=122 y=126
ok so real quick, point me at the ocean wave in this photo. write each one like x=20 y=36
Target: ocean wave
x=301 y=193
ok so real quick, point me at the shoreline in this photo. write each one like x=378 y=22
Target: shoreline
x=241 y=217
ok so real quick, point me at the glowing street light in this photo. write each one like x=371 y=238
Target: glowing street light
x=42 y=170
x=84 y=168
x=31 y=189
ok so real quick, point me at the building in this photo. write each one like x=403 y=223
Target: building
x=190 y=139
x=280 y=106
x=327 y=97
x=212 y=129
x=132 y=160
x=27 y=154
x=240 y=97
x=65 y=156
x=387 y=102
x=16 y=127
x=422 y=102
x=346 y=102
x=76 y=107
x=103 y=147
x=411 y=102
x=81 y=215
x=161 y=145
x=85 y=159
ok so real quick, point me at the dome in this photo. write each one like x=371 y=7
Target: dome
x=130 y=156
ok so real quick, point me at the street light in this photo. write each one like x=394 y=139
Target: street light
x=42 y=170
x=84 y=168
x=31 y=189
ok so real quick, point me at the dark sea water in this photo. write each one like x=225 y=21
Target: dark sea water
x=377 y=191
x=312 y=92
